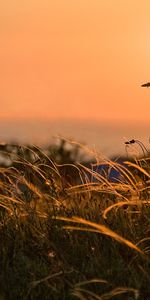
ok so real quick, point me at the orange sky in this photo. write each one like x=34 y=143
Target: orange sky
x=75 y=59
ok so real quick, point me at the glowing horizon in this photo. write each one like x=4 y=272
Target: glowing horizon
x=75 y=59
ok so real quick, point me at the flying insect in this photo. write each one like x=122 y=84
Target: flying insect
x=147 y=84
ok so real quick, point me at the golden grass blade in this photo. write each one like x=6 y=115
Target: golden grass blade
x=94 y=280
x=109 y=186
x=143 y=240
x=131 y=178
x=32 y=187
x=138 y=168
x=120 y=291
x=96 y=175
x=67 y=227
x=82 y=188
x=89 y=187
x=79 y=295
x=11 y=199
x=122 y=203
x=47 y=157
x=34 y=168
x=101 y=229
x=75 y=167
x=49 y=168
x=89 y=293
x=6 y=207
x=36 y=282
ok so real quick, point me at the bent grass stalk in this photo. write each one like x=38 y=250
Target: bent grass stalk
x=97 y=228
x=121 y=204
x=137 y=167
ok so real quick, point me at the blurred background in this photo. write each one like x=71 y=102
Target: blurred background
x=74 y=69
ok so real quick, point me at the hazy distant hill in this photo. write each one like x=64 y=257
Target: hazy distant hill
x=107 y=137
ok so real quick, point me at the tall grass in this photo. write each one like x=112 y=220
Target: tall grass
x=69 y=232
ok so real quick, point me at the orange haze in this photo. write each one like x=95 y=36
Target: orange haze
x=81 y=59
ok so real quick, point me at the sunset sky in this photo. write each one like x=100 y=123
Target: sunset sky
x=81 y=59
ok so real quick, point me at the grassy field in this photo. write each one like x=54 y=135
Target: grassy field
x=68 y=232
